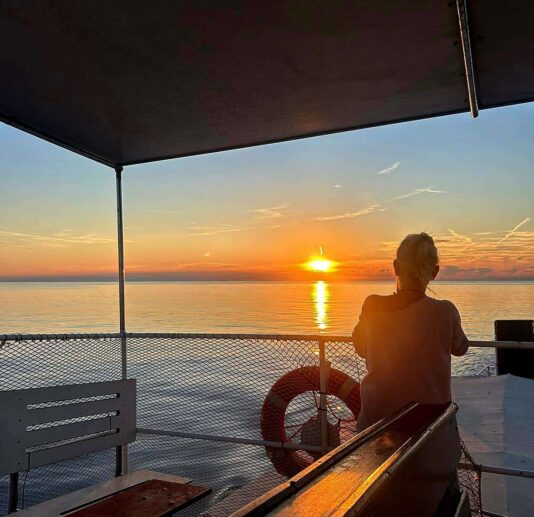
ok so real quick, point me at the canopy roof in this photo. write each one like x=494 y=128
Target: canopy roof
x=130 y=81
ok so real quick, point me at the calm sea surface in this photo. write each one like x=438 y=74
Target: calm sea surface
x=240 y=307
x=234 y=307
x=196 y=386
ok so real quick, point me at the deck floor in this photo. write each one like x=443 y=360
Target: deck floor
x=496 y=422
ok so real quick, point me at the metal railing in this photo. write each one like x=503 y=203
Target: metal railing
x=199 y=399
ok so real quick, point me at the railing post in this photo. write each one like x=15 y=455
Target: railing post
x=121 y=452
x=13 y=492
x=324 y=370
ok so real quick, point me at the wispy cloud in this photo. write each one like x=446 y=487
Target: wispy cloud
x=200 y=231
x=482 y=254
x=416 y=192
x=273 y=212
x=464 y=241
x=338 y=186
x=57 y=238
x=352 y=215
x=460 y=237
x=389 y=169
x=379 y=207
x=283 y=225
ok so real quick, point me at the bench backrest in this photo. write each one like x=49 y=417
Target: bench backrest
x=39 y=426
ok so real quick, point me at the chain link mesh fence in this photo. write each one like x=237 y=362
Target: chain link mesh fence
x=206 y=390
x=469 y=479
x=39 y=361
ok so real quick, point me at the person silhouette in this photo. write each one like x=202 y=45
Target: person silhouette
x=407 y=338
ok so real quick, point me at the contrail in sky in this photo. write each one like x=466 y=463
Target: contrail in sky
x=378 y=207
x=389 y=169
x=512 y=231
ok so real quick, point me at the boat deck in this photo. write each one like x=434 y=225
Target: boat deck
x=496 y=421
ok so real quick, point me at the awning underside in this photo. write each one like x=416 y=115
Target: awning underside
x=128 y=81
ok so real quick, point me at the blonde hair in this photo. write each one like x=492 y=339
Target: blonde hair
x=417 y=256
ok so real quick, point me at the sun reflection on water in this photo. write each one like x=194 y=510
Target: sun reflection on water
x=320 y=296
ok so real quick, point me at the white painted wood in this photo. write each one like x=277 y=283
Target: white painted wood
x=73 y=449
x=17 y=414
x=74 y=391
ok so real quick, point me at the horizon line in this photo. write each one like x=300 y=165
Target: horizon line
x=244 y=278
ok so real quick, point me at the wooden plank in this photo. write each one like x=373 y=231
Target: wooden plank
x=282 y=492
x=67 y=502
x=347 y=480
x=387 y=474
x=386 y=456
x=77 y=429
x=69 y=411
x=76 y=391
x=245 y=494
x=428 y=468
x=152 y=498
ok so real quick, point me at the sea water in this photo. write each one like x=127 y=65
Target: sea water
x=272 y=307
x=232 y=403
x=319 y=307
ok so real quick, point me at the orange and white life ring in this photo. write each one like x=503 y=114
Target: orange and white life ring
x=284 y=390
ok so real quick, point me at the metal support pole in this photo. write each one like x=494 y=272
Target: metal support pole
x=13 y=492
x=120 y=242
x=121 y=452
x=468 y=57
x=324 y=371
x=288 y=446
x=492 y=469
x=492 y=514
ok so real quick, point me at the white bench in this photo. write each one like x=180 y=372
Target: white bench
x=40 y=426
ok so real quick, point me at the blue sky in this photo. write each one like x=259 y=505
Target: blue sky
x=260 y=212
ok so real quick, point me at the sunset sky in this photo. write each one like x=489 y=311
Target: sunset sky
x=259 y=213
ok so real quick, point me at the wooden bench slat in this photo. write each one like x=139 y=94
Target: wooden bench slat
x=152 y=498
x=61 y=505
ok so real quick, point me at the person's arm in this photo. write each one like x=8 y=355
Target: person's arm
x=460 y=343
x=358 y=334
x=359 y=340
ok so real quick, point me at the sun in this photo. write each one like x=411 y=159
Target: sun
x=320 y=265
